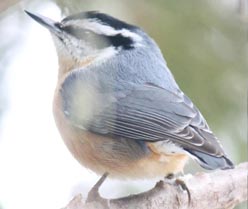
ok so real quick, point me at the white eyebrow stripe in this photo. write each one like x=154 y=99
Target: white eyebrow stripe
x=99 y=28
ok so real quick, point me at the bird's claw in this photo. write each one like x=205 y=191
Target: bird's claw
x=94 y=196
x=171 y=179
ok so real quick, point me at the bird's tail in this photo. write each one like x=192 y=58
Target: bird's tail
x=212 y=162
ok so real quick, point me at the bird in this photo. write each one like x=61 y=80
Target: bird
x=117 y=105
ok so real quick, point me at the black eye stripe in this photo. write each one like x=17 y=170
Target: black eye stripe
x=100 y=41
x=77 y=32
x=120 y=41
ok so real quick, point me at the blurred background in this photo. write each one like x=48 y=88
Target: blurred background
x=204 y=44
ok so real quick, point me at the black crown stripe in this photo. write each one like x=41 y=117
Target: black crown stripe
x=103 y=18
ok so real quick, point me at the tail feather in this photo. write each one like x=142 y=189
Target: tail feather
x=212 y=162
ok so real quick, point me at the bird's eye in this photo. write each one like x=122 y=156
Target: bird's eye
x=93 y=39
x=74 y=31
x=99 y=41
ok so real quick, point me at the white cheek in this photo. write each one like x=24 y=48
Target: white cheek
x=105 y=54
x=60 y=47
x=72 y=47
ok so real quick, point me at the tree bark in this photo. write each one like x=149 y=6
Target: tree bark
x=219 y=189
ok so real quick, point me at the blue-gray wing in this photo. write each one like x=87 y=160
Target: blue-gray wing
x=148 y=113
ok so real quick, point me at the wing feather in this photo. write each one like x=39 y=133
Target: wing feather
x=145 y=112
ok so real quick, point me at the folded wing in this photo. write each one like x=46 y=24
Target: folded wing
x=147 y=113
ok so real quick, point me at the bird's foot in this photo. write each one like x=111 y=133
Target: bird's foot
x=179 y=182
x=94 y=196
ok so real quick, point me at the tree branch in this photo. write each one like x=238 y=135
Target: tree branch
x=219 y=189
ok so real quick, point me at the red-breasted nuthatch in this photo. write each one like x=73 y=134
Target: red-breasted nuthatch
x=117 y=105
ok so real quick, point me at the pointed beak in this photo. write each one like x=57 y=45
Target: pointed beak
x=51 y=25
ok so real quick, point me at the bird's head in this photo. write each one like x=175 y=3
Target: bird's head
x=91 y=36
